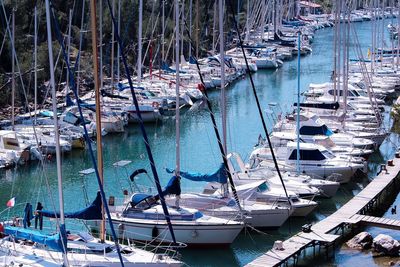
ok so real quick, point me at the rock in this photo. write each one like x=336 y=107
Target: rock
x=362 y=240
x=386 y=244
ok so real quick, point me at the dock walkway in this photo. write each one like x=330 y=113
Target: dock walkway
x=353 y=212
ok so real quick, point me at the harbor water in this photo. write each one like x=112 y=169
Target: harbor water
x=199 y=152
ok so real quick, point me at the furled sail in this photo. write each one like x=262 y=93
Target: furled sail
x=218 y=176
x=55 y=241
x=92 y=212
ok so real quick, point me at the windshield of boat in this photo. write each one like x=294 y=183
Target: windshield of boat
x=262 y=188
x=341 y=93
x=328 y=154
x=294 y=199
x=308 y=155
x=142 y=201
x=315 y=130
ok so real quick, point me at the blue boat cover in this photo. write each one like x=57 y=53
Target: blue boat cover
x=52 y=241
x=173 y=187
x=192 y=60
x=218 y=176
x=165 y=67
x=92 y=212
x=138 y=197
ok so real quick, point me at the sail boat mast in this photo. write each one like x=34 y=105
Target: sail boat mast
x=139 y=63
x=93 y=23
x=56 y=132
x=222 y=62
x=298 y=103
x=177 y=115
x=13 y=71
x=35 y=61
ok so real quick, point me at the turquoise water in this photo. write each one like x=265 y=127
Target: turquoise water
x=199 y=152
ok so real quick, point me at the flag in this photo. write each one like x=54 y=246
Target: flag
x=11 y=203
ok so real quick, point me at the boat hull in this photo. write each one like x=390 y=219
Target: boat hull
x=190 y=234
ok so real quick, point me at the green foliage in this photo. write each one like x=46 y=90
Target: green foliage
x=24 y=35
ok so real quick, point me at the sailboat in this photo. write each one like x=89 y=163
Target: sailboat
x=220 y=203
x=23 y=246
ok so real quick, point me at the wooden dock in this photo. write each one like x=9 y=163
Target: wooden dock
x=352 y=213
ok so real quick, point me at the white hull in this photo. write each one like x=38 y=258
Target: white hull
x=188 y=233
x=16 y=254
x=147 y=116
x=266 y=64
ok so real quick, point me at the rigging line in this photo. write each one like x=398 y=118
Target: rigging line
x=216 y=131
x=86 y=135
x=257 y=100
x=143 y=130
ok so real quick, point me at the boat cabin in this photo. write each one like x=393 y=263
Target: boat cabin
x=308 y=152
x=9 y=140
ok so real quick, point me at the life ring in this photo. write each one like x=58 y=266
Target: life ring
x=155 y=104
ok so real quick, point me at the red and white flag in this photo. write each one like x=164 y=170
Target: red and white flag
x=11 y=203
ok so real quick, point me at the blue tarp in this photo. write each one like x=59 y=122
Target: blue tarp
x=52 y=241
x=173 y=187
x=218 y=176
x=138 y=197
x=124 y=86
x=92 y=212
x=165 y=67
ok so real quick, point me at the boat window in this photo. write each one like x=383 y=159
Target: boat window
x=262 y=187
x=349 y=93
x=328 y=154
x=90 y=251
x=313 y=154
x=295 y=199
x=315 y=130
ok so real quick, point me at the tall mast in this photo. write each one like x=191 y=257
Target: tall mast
x=56 y=133
x=93 y=23
x=222 y=60
x=119 y=31
x=190 y=27
x=197 y=27
x=247 y=21
x=298 y=103
x=78 y=82
x=264 y=12
x=112 y=47
x=35 y=60
x=182 y=26
x=139 y=64
x=13 y=71
x=163 y=32
x=69 y=48
x=214 y=31
x=177 y=115
x=101 y=42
